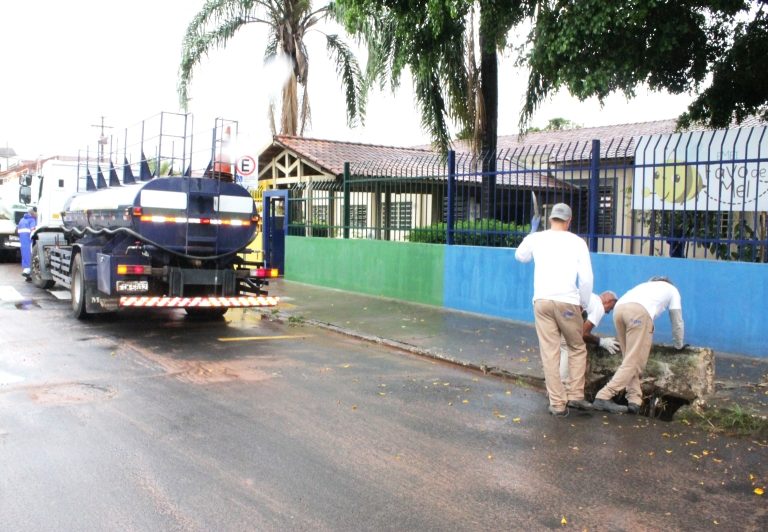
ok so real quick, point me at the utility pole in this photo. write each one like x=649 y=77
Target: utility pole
x=102 y=138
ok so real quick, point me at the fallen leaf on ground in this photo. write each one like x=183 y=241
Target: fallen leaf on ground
x=759 y=491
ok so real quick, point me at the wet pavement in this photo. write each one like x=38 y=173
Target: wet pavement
x=502 y=347
x=152 y=421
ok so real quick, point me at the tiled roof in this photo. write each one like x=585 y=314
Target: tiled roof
x=330 y=155
x=616 y=141
x=514 y=152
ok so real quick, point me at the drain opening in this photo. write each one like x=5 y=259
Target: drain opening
x=656 y=405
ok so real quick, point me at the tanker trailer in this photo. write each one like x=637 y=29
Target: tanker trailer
x=170 y=242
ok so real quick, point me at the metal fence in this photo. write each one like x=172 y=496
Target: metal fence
x=701 y=194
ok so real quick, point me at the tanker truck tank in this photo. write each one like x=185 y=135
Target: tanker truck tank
x=188 y=216
x=155 y=239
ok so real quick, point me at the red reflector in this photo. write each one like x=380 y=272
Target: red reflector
x=133 y=269
x=137 y=211
x=205 y=220
x=265 y=272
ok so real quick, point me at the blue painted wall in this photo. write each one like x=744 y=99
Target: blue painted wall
x=725 y=304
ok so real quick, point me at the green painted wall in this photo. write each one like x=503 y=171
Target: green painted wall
x=399 y=270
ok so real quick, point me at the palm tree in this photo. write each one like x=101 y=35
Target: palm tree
x=288 y=22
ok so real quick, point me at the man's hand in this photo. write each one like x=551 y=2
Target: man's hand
x=535 y=222
x=610 y=345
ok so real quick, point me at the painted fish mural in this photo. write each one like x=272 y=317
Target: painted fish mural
x=676 y=183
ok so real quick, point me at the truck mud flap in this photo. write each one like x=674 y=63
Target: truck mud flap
x=97 y=302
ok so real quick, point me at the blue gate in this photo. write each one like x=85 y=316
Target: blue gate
x=275 y=228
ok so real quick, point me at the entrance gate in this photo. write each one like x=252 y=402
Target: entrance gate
x=275 y=228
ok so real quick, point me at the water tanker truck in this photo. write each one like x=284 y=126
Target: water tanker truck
x=161 y=242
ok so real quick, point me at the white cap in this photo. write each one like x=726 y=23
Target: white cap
x=561 y=211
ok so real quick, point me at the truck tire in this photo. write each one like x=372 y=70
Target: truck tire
x=77 y=288
x=205 y=313
x=35 y=275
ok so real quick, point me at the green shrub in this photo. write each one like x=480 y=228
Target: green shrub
x=484 y=232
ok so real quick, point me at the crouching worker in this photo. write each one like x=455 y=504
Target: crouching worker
x=598 y=307
x=633 y=317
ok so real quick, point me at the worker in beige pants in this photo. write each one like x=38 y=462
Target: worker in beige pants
x=554 y=318
x=562 y=284
x=633 y=317
x=634 y=329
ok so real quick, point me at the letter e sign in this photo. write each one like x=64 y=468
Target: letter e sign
x=246 y=165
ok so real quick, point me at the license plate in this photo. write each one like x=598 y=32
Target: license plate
x=132 y=286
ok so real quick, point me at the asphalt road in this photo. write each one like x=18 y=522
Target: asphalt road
x=156 y=422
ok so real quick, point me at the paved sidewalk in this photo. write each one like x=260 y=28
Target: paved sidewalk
x=495 y=346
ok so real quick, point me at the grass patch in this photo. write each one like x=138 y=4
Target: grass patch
x=295 y=320
x=733 y=420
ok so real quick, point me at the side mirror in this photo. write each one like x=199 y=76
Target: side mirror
x=25 y=194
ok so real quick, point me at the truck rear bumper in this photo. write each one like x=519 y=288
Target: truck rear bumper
x=200 y=302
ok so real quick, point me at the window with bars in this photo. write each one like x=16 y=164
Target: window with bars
x=459 y=208
x=606 y=211
x=358 y=215
x=401 y=215
x=320 y=214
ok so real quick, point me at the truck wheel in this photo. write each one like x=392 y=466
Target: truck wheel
x=78 y=288
x=36 y=276
x=206 y=313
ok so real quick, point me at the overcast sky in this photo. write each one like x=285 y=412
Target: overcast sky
x=65 y=64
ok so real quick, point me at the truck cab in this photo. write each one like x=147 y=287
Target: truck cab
x=49 y=189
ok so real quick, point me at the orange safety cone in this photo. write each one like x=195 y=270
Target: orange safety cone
x=223 y=168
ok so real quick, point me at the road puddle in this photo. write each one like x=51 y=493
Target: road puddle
x=71 y=393
x=206 y=371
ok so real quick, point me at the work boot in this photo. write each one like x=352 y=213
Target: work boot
x=632 y=408
x=558 y=413
x=609 y=406
x=580 y=404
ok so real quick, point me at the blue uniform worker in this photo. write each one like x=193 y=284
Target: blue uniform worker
x=27 y=223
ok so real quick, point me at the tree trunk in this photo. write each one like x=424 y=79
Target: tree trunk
x=489 y=88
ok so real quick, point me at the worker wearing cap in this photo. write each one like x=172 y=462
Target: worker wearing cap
x=25 y=227
x=633 y=317
x=562 y=284
x=598 y=307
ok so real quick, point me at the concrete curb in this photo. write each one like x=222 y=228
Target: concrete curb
x=412 y=349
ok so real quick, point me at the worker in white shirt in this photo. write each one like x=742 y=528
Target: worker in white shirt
x=598 y=307
x=633 y=317
x=562 y=284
